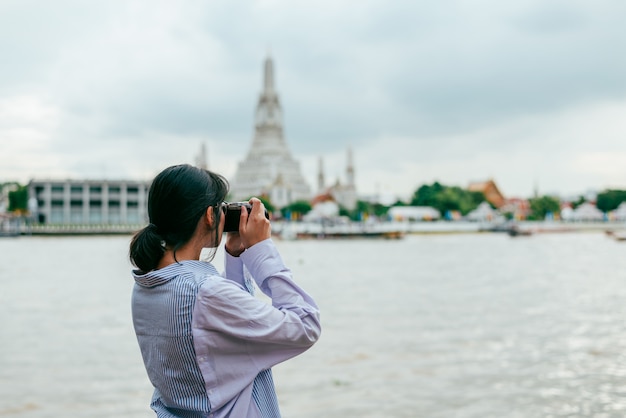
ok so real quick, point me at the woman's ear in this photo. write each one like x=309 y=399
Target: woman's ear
x=209 y=217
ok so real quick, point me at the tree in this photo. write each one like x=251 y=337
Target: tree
x=610 y=199
x=18 y=200
x=427 y=195
x=364 y=209
x=541 y=206
x=297 y=208
x=578 y=202
x=400 y=203
x=447 y=198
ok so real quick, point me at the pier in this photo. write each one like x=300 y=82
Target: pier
x=78 y=229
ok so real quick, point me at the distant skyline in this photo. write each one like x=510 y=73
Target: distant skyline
x=531 y=94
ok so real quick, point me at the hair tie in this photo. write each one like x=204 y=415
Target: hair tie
x=153 y=227
x=156 y=230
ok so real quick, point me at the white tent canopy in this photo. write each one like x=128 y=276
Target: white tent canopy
x=484 y=212
x=584 y=212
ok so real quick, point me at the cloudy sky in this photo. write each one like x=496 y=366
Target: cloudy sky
x=530 y=93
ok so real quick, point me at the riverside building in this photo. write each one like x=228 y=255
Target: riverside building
x=83 y=202
x=269 y=169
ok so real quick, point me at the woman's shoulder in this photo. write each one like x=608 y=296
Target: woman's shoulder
x=216 y=285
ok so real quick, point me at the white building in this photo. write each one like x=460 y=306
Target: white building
x=269 y=169
x=84 y=202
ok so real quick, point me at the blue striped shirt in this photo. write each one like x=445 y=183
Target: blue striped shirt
x=208 y=344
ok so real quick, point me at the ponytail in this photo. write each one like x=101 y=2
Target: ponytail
x=146 y=248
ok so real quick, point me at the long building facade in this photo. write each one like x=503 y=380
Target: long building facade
x=269 y=169
x=88 y=202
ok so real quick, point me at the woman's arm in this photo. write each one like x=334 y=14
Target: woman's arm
x=239 y=324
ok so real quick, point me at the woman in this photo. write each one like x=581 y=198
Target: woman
x=207 y=343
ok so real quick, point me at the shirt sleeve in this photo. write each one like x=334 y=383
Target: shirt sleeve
x=274 y=279
x=233 y=269
x=248 y=330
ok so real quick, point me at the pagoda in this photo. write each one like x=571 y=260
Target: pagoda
x=269 y=170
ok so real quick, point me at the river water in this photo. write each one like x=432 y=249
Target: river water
x=455 y=325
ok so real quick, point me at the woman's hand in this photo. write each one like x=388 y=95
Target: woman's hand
x=254 y=227
x=234 y=245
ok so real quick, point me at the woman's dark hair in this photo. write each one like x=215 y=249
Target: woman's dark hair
x=178 y=197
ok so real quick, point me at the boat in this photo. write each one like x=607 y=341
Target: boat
x=516 y=231
x=509 y=227
x=351 y=235
x=619 y=235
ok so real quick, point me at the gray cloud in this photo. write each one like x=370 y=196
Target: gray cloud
x=132 y=86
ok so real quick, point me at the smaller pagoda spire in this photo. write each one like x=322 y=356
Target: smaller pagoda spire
x=350 y=168
x=320 y=176
x=201 y=158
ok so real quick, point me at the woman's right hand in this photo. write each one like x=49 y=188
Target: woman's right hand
x=254 y=227
x=234 y=245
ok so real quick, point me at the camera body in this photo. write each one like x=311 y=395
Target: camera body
x=232 y=212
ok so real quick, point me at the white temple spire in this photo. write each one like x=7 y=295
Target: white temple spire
x=269 y=169
x=268 y=111
x=268 y=84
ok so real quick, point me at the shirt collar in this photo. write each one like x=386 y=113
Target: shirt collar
x=161 y=276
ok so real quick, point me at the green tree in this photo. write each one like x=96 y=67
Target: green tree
x=427 y=195
x=541 y=206
x=470 y=200
x=378 y=210
x=364 y=209
x=578 y=202
x=610 y=199
x=400 y=203
x=447 y=198
x=350 y=214
x=18 y=200
x=299 y=207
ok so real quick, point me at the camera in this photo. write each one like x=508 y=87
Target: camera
x=232 y=212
